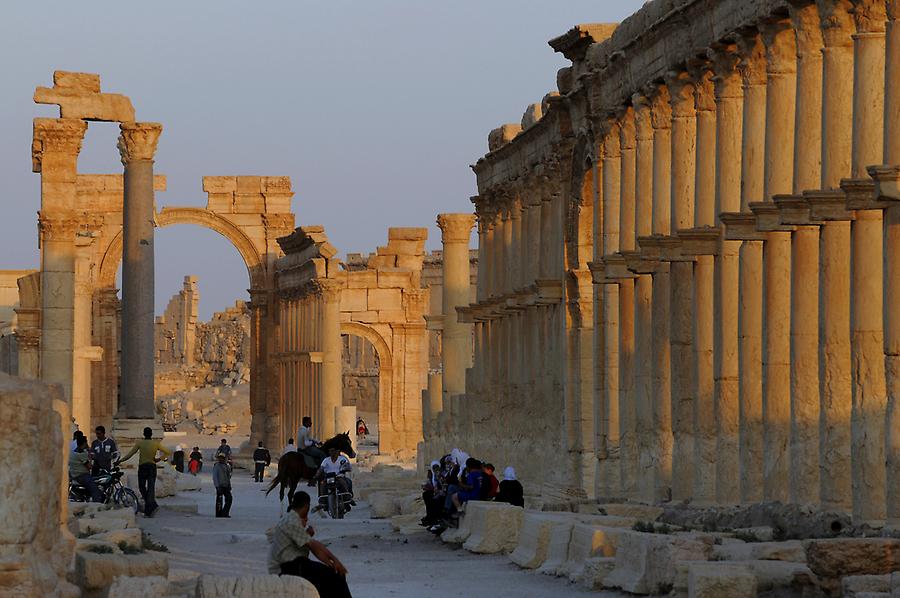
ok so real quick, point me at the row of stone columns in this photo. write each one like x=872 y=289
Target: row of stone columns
x=744 y=257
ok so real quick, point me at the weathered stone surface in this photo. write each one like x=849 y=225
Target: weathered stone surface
x=130 y=536
x=494 y=527
x=139 y=587
x=384 y=504
x=215 y=586
x=764 y=551
x=840 y=557
x=856 y=585
x=590 y=541
x=412 y=504
x=595 y=571
x=634 y=511
x=502 y=135
x=460 y=534
x=714 y=580
x=558 y=548
x=534 y=537
x=407 y=524
x=645 y=563
x=97 y=571
x=790 y=520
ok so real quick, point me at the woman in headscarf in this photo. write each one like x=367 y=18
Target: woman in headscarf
x=511 y=490
x=178 y=459
x=430 y=495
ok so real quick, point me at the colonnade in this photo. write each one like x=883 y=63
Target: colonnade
x=758 y=273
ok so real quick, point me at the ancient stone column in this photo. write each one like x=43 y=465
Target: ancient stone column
x=706 y=454
x=866 y=299
x=725 y=279
x=684 y=133
x=84 y=352
x=781 y=87
x=643 y=328
x=804 y=357
x=137 y=145
x=834 y=255
x=456 y=338
x=628 y=453
x=57 y=143
x=330 y=343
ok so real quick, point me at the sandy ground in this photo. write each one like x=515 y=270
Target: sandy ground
x=381 y=562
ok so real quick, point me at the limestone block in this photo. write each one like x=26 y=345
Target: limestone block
x=761 y=551
x=714 y=580
x=187 y=483
x=366 y=317
x=558 y=547
x=391 y=315
x=494 y=527
x=86 y=526
x=404 y=247
x=595 y=571
x=407 y=524
x=77 y=103
x=412 y=505
x=384 y=299
x=838 y=557
x=459 y=534
x=855 y=585
x=362 y=279
x=384 y=505
x=382 y=261
x=139 y=587
x=97 y=571
x=90 y=544
x=534 y=537
x=638 y=512
x=564 y=80
x=645 y=563
x=589 y=541
x=532 y=115
x=393 y=280
x=81 y=509
x=607 y=520
x=130 y=536
x=251 y=586
x=219 y=184
x=502 y=135
x=407 y=233
x=410 y=262
x=353 y=300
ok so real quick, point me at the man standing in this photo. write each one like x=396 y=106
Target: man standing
x=307 y=444
x=224 y=449
x=104 y=450
x=261 y=459
x=222 y=481
x=80 y=468
x=147 y=461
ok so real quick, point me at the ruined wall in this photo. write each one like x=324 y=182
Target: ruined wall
x=176 y=330
x=223 y=345
x=9 y=301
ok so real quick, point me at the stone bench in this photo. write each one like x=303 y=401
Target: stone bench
x=494 y=527
x=646 y=563
x=534 y=537
x=589 y=541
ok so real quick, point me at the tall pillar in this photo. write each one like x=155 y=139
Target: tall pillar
x=834 y=253
x=330 y=343
x=137 y=145
x=781 y=88
x=643 y=329
x=866 y=269
x=804 y=357
x=729 y=100
x=57 y=143
x=628 y=447
x=456 y=338
x=683 y=152
x=84 y=352
x=706 y=455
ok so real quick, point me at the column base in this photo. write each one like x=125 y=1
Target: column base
x=126 y=431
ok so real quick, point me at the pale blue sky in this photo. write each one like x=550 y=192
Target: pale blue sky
x=374 y=108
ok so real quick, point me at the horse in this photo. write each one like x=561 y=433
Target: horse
x=292 y=466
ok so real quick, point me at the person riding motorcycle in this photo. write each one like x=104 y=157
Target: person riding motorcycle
x=338 y=464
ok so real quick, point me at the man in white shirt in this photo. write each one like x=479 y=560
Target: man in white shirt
x=337 y=463
x=290 y=448
x=307 y=444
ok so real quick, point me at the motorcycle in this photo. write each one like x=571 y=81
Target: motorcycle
x=331 y=498
x=110 y=484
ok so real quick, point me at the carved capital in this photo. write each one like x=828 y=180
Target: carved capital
x=752 y=65
x=836 y=23
x=627 y=130
x=704 y=90
x=611 y=139
x=661 y=112
x=137 y=141
x=329 y=289
x=724 y=59
x=781 y=46
x=893 y=10
x=57 y=229
x=56 y=135
x=681 y=93
x=455 y=227
x=869 y=15
x=805 y=19
x=643 y=126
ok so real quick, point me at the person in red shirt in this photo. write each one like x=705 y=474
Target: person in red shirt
x=491 y=484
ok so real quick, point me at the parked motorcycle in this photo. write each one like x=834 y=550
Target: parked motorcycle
x=110 y=484
x=331 y=499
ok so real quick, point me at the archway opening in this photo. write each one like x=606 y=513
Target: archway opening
x=361 y=369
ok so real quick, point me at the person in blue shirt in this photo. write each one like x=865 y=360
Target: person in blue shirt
x=470 y=489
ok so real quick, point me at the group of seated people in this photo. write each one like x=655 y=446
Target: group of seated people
x=457 y=479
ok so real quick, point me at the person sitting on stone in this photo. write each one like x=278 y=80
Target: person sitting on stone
x=491 y=485
x=80 y=469
x=103 y=450
x=289 y=447
x=222 y=481
x=148 y=447
x=432 y=495
x=261 y=459
x=339 y=465
x=290 y=543
x=511 y=490
x=470 y=489
x=178 y=459
x=307 y=444
x=196 y=461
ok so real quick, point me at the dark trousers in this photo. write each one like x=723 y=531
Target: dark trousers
x=433 y=505
x=88 y=482
x=147 y=486
x=258 y=472
x=327 y=582
x=223 y=501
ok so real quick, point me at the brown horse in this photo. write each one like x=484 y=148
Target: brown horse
x=292 y=466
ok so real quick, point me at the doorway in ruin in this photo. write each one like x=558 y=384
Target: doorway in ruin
x=360 y=370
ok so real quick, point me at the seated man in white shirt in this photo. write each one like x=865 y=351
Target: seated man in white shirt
x=337 y=463
x=306 y=444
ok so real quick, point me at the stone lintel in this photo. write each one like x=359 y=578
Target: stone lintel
x=827 y=204
x=635 y=262
x=665 y=248
x=741 y=226
x=615 y=268
x=794 y=210
x=861 y=195
x=702 y=240
x=434 y=322
x=78 y=96
x=598 y=272
x=465 y=314
x=549 y=291
x=768 y=217
x=887 y=183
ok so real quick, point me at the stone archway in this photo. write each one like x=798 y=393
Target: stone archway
x=385 y=368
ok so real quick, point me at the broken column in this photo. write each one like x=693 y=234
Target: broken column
x=330 y=343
